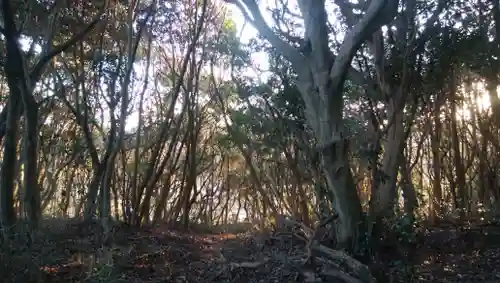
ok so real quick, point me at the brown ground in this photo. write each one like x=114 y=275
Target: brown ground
x=67 y=253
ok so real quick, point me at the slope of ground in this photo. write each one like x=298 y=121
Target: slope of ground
x=69 y=252
x=461 y=254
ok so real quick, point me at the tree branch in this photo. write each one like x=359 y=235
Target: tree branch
x=36 y=72
x=430 y=30
x=291 y=53
x=379 y=13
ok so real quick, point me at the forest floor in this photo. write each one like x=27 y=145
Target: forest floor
x=68 y=253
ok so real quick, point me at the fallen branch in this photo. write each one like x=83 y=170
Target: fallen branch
x=359 y=269
x=248 y=264
x=338 y=274
x=316 y=249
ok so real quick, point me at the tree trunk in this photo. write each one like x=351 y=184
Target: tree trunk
x=383 y=197
x=457 y=158
x=31 y=188
x=321 y=77
x=8 y=173
x=191 y=170
x=67 y=197
x=437 y=197
x=93 y=192
x=409 y=193
x=345 y=197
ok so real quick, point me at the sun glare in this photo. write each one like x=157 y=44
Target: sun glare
x=476 y=94
x=483 y=101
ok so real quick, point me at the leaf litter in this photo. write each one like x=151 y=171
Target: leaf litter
x=69 y=251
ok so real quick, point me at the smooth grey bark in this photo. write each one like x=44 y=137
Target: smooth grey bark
x=384 y=197
x=321 y=77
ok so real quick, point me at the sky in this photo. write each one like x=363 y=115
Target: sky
x=260 y=59
x=247 y=32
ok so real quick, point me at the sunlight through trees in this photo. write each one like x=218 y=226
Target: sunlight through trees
x=347 y=117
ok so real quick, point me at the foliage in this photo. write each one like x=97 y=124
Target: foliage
x=155 y=112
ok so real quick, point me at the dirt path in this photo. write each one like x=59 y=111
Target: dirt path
x=71 y=253
x=163 y=255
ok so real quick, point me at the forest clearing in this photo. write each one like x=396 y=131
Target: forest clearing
x=250 y=141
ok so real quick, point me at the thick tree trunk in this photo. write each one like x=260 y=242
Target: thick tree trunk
x=345 y=197
x=8 y=173
x=93 y=192
x=383 y=197
x=321 y=77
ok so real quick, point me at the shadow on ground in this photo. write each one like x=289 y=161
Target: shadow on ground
x=69 y=251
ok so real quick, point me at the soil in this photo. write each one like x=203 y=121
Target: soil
x=70 y=252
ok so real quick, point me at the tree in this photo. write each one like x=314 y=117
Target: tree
x=21 y=83
x=321 y=85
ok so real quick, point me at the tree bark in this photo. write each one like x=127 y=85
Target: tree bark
x=321 y=77
x=8 y=173
x=345 y=197
x=437 y=197
x=457 y=158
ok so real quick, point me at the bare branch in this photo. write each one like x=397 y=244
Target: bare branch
x=257 y=20
x=379 y=13
x=36 y=72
